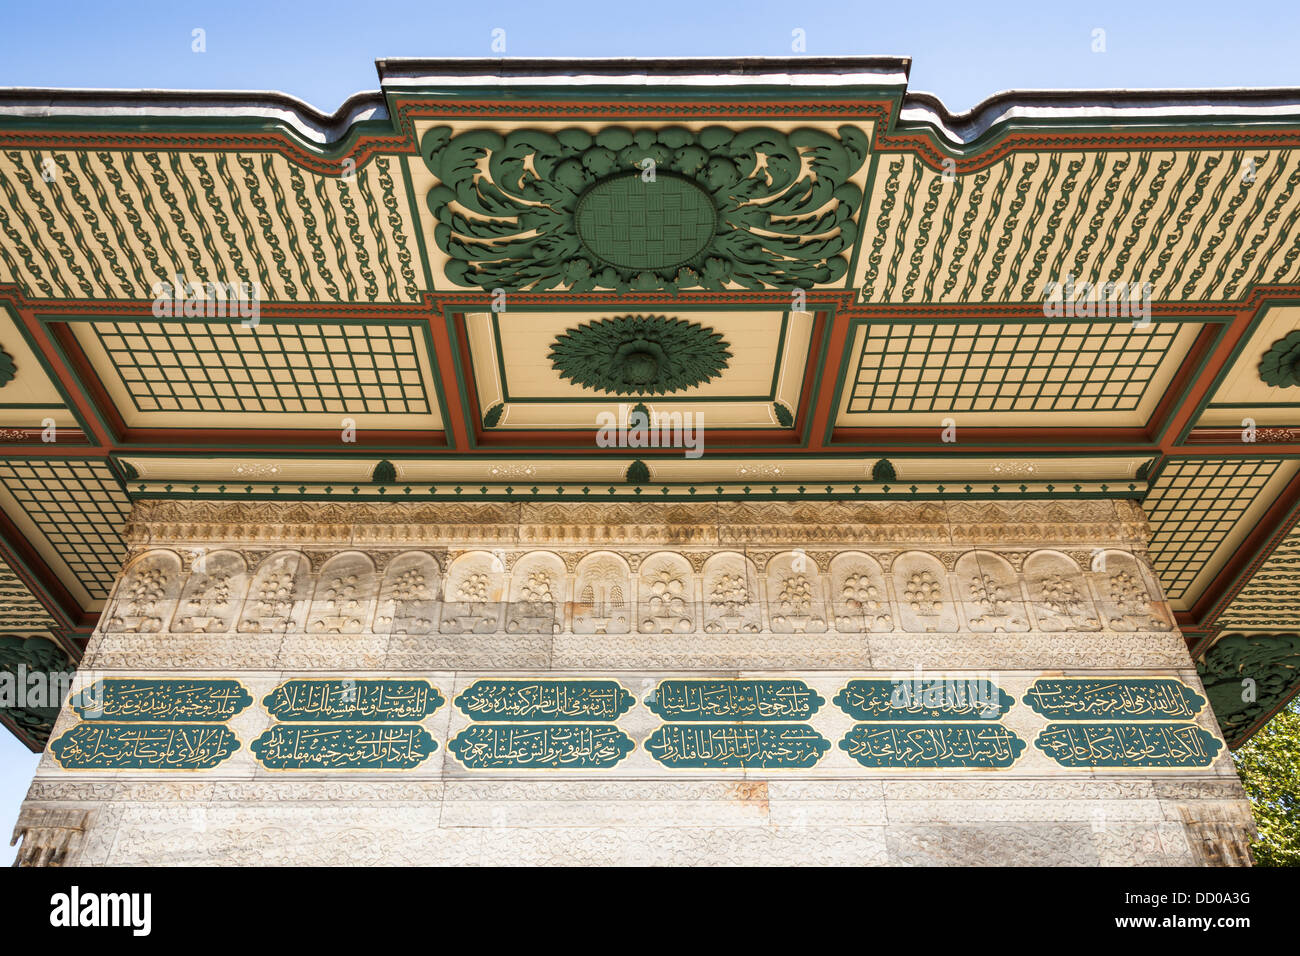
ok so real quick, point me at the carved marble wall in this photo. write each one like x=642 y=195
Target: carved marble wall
x=462 y=683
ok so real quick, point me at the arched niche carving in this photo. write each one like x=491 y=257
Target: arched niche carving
x=731 y=590
x=859 y=599
x=212 y=595
x=921 y=590
x=990 y=593
x=145 y=598
x=1059 y=594
x=278 y=596
x=473 y=594
x=345 y=595
x=538 y=593
x=408 y=595
x=795 y=603
x=665 y=595
x=1129 y=598
x=602 y=595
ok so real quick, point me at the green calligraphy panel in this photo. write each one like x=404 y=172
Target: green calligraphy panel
x=343 y=747
x=543 y=747
x=944 y=746
x=691 y=700
x=912 y=699
x=536 y=700
x=107 y=746
x=737 y=746
x=1139 y=698
x=1129 y=745
x=353 y=700
x=142 y=699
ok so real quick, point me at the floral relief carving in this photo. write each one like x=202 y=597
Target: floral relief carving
x=1127 y=601
x=146 y=595
x=280 y=587
x=474 y=591
x=921 y=584
x=665 y=598
x=345 y=593
x=212 y=594
x=1058 y=593
x=731 y=601
x=859 y=600
x=537 y=595
x=992 y=593
x=408 y=595
x=794 y=597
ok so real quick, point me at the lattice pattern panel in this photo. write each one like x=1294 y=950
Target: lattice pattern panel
x=229 y=367
x=1193 y=506
x=970 y=367
x=80 y=508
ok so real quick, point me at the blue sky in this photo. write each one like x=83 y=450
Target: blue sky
x=323 y=52
x=964 y=52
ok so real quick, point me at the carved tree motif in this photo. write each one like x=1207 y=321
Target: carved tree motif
x=993 y=601
x=345 y=595
x=794 y=595
x=537 y=595
x=475 y=585
x=1127 y=602
x=408 y=595
x=146 y=596
x=603 y=583
x=212 y=594
x=858 y=598
x=664 y=595
x=1059 y=594
x=278 y=594
x=920 y=584
x=731 y=604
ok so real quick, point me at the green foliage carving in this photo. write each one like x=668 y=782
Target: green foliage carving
x=384 y=474
x=883 y=470
x=751 y=208
x=784 y=418
x=1248 y=675
x=638 y=473
x=639 y=355
x=7 y=368
x=35 y=655
x=1280 y=365
x=493 y=415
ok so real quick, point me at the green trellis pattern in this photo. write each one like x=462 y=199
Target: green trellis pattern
x=566 y=208
x=639 y=355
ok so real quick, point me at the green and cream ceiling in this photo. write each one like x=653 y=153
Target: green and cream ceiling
x=459 y=274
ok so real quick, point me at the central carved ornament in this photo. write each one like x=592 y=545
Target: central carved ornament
x=639 y=354
x=634 y=224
